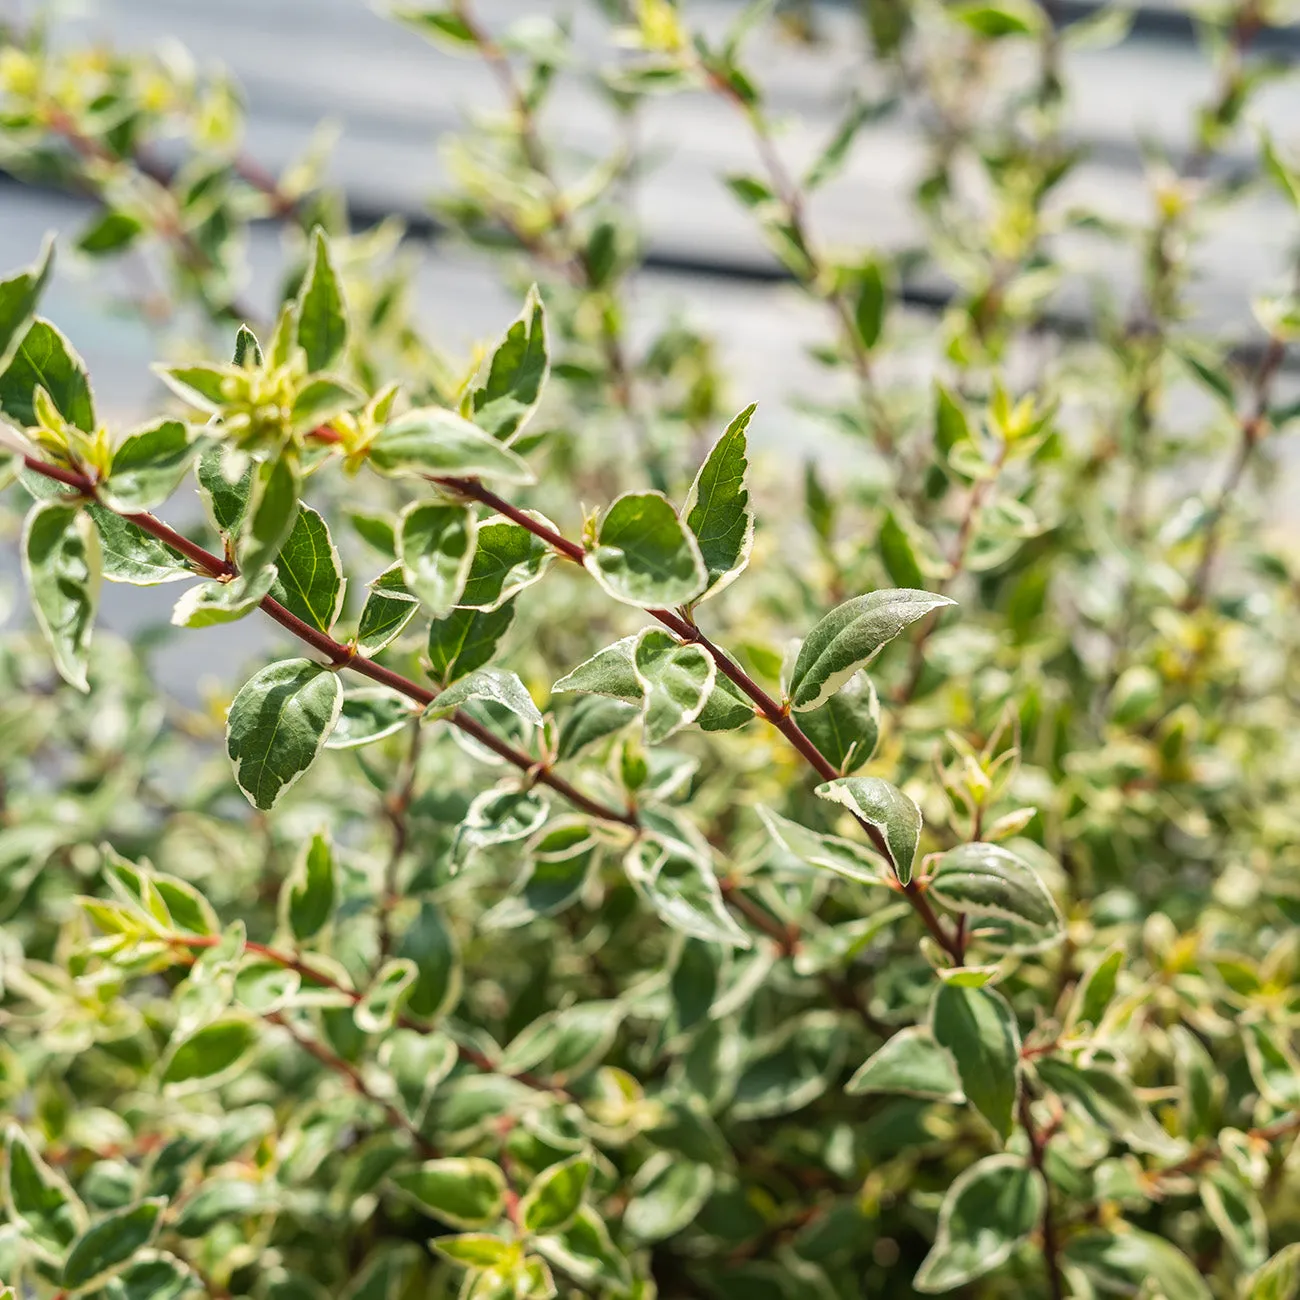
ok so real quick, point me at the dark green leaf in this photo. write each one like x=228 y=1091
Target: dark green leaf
x=885 y=807
x=849 y=637
x=644 y=556
x=111 y=1242
x=277 y=725
x=979 y=1029
x=308 y=895
x=912 y=1063
x=310 y=581
x=718 y=511
x=322 y=313
x=988 y=1211
x=47 y=360
x=466 y=640
x=509 y=386
x=61 y=563
x=466 y=1192
x=432 y=441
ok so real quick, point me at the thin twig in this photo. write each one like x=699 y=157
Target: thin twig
x=778 y=716
x=322 y=979
x=343 y=656
x=354 y=1078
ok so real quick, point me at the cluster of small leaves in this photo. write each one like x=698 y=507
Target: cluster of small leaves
x=635 y=890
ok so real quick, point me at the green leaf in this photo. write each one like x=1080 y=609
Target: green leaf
x=562 y=858
x=1279 y=1279
x=310 y=575
x=676 y=680
x=585 y=1251
x=912 y=1063
x=277 y=725
x=149 y=466
x=870 y=298
x=500 y=816
x=726 y=708
x=432 y=947
x=830 y=161
x=1108 y=1098
x=389 y=607
x=226 y=498
x=683 y=891
x=47 y=360
x=476 y=1249
x=979 y=1029
x=443 y=28
x=248 y=351
x=369 y=715
x=565 y=1044
x=507 y=558
x=320 y=399
x=418 y=1062
x=1273 y=1065
x=1130 y=1262
x=1199 y=1083
x=988 y=1211
x=997 y=18
x=111 y=1242
x=493 y=684
x=61 y=563
x=667 y=1194
x=718 y=511
x=1097 y=988
x=39 y=1199
x=845 y=729
x=322 y=313
x=590 y=720
x=439 y=443
x=1235 y=1210
x=898 y=554
x=466 y=640
x=435 y=546
x=110 y=232
x=153 y=1275
x=202 y=386
x=466 y=1192
x=308 y=895
x=509 y=386
x=19 y=295
x=216 y=1201
x=210 y=603
x=989 y=880
x=375 y=530
x=272 y=512
x=644 y=556
x=610 y=672
x=843 y=857
x=377 y=1011
x=849 y=637
x=790 y=1069
x=885 y=807
x=211 y=1055
x=555 y=1196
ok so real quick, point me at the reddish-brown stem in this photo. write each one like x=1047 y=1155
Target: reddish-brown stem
x=786 y=937
x=321 y=979
x=1038 y=1139
x=354 y=1078
x=765 y=705
x=1287 y=1126
x=343 y=656
x=1253 y=426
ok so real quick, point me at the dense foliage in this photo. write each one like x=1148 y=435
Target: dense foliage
x=561 y=908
